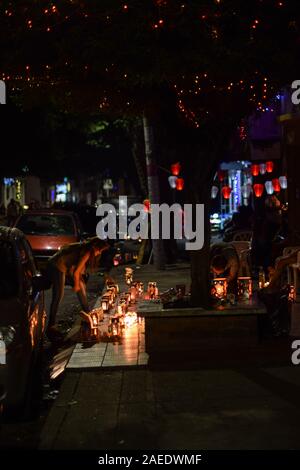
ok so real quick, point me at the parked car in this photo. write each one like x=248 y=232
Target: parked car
x=48 y=230
x=85 y=213
x=22 y=320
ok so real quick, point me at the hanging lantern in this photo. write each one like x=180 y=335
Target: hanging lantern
x=276 y=185
x=255 y=170
x=222 y=175
x=214 y=192
x=269 y=187
x=179 y=184
x=258 y=189
x=175 y=169
x=269 y=166
x=283 y=182
x=226 y=191
x=172 y=181
x=246 y=190
x=147 y=205
x=262 y=168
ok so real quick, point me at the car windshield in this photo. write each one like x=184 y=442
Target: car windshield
x=8 y=271
x=46 y=224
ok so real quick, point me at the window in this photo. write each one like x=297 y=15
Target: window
x=47 y=225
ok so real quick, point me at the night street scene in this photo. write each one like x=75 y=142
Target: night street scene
x=149 y=232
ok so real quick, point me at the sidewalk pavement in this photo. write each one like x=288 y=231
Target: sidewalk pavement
x=138 y=408
x=130 y=350
x=185 y=409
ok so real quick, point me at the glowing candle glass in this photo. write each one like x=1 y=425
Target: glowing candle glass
x=128 y=275
x=133 y=294
x=219 y=289
x=244 y=288
x=152 y=289
x=105 y=303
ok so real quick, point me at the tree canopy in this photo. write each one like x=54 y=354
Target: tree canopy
x=121 y=56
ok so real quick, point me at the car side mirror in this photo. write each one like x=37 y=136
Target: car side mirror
x=40 y=282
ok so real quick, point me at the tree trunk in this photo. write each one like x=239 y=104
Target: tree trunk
x=200 y=272
x=153 y=188
x=138 y=152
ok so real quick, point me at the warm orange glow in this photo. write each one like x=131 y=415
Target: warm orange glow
x=175 y=169
x=147 y=205
x=276 y=185
x=269 y=166
x=179 y=184
x=255 y=170
x=219 y=289
x=258 y=189
x=226 y=191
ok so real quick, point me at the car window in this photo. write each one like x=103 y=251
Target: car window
x=8 y=272
x=44 y=224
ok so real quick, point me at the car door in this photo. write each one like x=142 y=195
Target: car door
x=34 y=300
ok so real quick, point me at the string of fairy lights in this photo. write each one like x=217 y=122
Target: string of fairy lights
x=46 y=17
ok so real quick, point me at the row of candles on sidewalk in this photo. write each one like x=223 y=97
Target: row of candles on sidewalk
x=121 y=305
x=244 y=289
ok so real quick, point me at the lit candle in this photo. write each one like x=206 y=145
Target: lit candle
x=141 y=288
x=128 y=275
x=219 y=287
x=120 y=310
x=244 y=288
x=152 y=289
x=292 y=293
x=130 y=319
x=105 y=303
x=133 y=294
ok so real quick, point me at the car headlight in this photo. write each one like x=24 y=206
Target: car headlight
x=7 y=334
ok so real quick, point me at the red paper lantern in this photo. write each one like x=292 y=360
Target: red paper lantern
x=276 y=185
x=175 y=169
x=147 y=205
x=258 y=189
x=179 y=184
x=255 y=170
x=269 y=167
x=226 y=191
x=222 y=175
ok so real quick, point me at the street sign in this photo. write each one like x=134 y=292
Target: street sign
x=108 y=184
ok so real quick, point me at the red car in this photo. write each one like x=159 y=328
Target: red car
x=47 y=230
x=22 y=323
